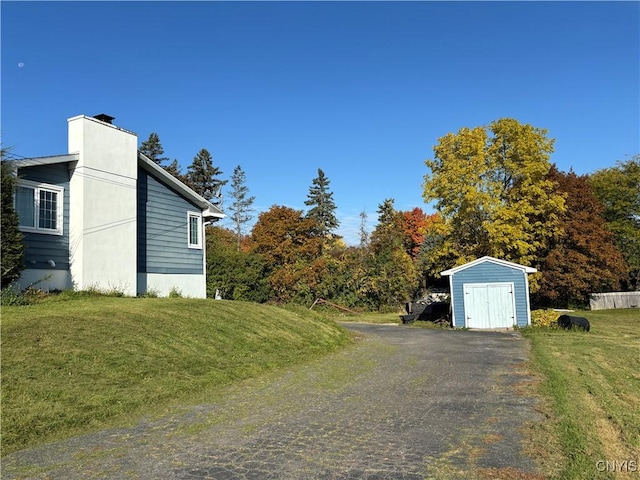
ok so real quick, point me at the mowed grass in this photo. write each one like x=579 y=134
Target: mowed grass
x=591 y=392
x=73 y=366
x=371 y=317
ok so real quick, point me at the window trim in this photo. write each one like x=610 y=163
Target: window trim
x=37 y=188
x=198 y=216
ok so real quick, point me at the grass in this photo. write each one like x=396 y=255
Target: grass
x=590 y=387
x=372 y=317
x=71 y=366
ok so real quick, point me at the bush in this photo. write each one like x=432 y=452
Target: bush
x=544 y=318
x=150 y=293
x=175 y=293
x=11 y=296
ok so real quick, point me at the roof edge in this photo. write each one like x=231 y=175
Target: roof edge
x=487 y=258
x=48 y=160
x=209 y=210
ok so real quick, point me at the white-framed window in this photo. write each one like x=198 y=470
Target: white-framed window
x=194 y=230
x=39 y=207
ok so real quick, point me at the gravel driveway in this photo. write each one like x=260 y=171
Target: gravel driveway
x=403 y=403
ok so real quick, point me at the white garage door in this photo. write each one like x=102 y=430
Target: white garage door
x=489 y=305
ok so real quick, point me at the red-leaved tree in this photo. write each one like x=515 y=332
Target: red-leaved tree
x=584 y=258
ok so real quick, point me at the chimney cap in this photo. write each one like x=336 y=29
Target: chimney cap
x=103 y=117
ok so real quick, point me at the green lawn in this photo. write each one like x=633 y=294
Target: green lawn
x=371 y=318
x=74 y=365
x=590 y=389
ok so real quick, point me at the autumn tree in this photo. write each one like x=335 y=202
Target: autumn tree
x=491 y=190
x=323 y=208
x=152 y=149
x=242 y=206
x=618 y=188
x=584 y=259
x=284 y=235
x=414 y=224
x=203 y=177
x=392 y=278
x=288 y=241
x=12 y=256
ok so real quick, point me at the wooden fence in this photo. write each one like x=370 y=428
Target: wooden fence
x=605 y=301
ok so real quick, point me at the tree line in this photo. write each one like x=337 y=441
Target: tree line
x=494 y=191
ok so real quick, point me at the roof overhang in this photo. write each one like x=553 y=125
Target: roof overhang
x=50 y=160
x=209 y=211
x=497 y=261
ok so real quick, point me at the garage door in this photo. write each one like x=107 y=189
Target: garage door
x=489 y=305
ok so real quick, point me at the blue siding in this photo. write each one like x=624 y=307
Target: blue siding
x=42 y=247
x=488 y=272
x=162 y=229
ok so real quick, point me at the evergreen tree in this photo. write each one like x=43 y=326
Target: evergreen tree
x=323 y=208
x=152 y=148
x=202 y=177
x=241 y=207
x=392 y=277
x=174 y=169
x=12 y=241
x=388 y=231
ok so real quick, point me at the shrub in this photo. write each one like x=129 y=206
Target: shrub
x=10 y=295
x=544 y=318
x=150 y=293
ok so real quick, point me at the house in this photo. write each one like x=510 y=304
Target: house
x=489 y=293
x=105 y=216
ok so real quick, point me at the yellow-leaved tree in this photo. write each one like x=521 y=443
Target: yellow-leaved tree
x=490 y=188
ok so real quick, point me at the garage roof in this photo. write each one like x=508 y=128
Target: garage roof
x=497 y=261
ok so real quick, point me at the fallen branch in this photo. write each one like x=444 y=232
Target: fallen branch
x=322 y=300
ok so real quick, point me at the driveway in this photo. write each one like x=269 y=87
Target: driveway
x=403 y=403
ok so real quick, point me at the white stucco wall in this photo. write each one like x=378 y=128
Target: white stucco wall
x=193 y=286
x=103 y=206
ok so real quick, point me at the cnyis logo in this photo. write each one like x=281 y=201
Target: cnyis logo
x=621 y=466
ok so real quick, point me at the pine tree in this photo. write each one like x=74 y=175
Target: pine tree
x=174 y=169
x=201 y=177
x=152 y=148
x=12 y=254
x=323 y=208
x=241 y=207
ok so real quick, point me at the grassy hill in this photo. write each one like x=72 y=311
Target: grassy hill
x=71 y=365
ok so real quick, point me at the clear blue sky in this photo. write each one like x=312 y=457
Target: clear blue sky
x=362 y=90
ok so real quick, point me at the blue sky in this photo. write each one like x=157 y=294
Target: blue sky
x=362 y=90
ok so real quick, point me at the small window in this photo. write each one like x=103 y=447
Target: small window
x=39 y=207
x=194 y=222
